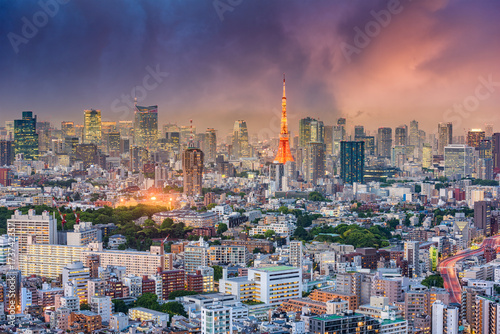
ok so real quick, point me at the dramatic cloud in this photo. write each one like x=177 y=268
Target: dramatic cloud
x=411 y=60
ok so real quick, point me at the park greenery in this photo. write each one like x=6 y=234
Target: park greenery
x=433 y=280
x=150 y=301
x=354 y=235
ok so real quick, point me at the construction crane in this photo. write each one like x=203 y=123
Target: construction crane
x=63 y=217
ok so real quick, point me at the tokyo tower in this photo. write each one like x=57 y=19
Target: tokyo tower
x=284 y=153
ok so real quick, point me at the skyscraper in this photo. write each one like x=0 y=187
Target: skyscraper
x=284 y=155
x=68 y=129
x=6 y=153
x=92 y=127
x=384 y=142
x=496 y=150
x=211 y=144
x=414 y=138
x=192 y=166
x=401 y=136
x=474 y=137
x=311 y=131
x=445 y=135
x=25 y=136
x=329 y=139
x=146 y=127
x=314 y=168
x=458 y=160
x=488 y=130
x=359 y=131
x=482 y=217
x=352 y=161
x=241 y=147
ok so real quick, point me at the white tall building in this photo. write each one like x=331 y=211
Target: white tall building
x=83 y=234
x=43 y=227
x=134 y=284
x=102 y=306
x=444 y=318
x=296 y=254
x=271 y=285
x=78 y=275
x=195 y=255
x=216 y=319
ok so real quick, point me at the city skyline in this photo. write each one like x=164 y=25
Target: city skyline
x=230 y=70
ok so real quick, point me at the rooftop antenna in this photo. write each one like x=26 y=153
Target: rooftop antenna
x=191 y=140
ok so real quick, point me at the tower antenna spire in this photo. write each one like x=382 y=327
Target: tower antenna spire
x=284 y=154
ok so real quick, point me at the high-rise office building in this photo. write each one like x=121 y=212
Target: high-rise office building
x=314 y=167
x=329 y=139
x=488 y=130
x=352 y=161
x=414 y=138
x=43 y=129
x=458 y=160
x=445 y=135
x=173 y=143
x=146 y=127
x=241 y=147
x=6 y=153
x=370 y=148
x=339 y=134
x=68 y=129
x=92 y=127
x=88 y=154
x=474 y=137
x=211 y=144
x=43 y=227
x=384 y=142
x=482 y=216
x=359 y=131
x=26 y=137
x=495 y=140
x=426 y=156
x=192 y=166
x=401 y=135
x=284 y=155
x=311 y=130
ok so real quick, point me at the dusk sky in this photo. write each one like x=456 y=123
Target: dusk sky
x=219 y=64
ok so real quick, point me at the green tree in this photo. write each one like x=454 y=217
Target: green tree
x=179 y=293
x=316 y=196
x=217 y=273
x=148 y=300
x=84 y=307
x=120 y=306
x=433 y=280
x=269 y=233
x=167 y=223
x=122 y=247
x=284 y=210
x=222 y=228
x=173 y=308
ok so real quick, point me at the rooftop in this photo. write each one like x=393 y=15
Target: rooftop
x=275 y=269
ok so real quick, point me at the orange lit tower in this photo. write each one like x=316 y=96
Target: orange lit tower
x=284 y=155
